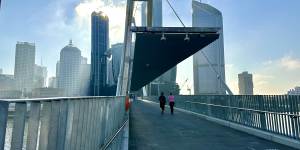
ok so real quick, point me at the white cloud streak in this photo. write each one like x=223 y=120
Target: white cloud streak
x=290 y=63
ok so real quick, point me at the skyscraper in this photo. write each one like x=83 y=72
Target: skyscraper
x=99 y=45
x=206 y=80
x=156 y=16
x=116 y=52
x=52 y=83
x=24 y=66
x=85 y=70
x=1 y=71
x=40 y=76
x=245 y=84
x=69 y=70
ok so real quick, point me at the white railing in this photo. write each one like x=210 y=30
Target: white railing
x=61 y=123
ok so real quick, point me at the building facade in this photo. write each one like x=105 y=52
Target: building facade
x=295 y=91
x=40 y=76
x=69 y=70
x=85 y=70
x=52 y=83
x=115 y=63
x=24 y=66
x=245 y=83
x=156 y=16
x=99 y=45
x=47 y=92
x=206 y=80
x=7 y=82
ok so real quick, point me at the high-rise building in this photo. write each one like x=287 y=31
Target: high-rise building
x=99 y=45
x=1 y=71
x=206 y=80
x=24 y=66
x=57 y=72
x=69 y=70
x=40 y=76
x=245 y=84
x=115 y=62
x=295 y=91
x=47 y=92
x=52 y=83
x=85 y=70
x=156 y=13
x=7 y=82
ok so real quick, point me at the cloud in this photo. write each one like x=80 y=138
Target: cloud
x=262 y=79
x=290 y=63
x=115 y=12
x=269 y=62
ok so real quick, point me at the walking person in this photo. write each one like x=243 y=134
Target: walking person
x=171 y=102
x=162 y=102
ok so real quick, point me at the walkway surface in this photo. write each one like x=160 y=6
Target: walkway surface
x=149 y=130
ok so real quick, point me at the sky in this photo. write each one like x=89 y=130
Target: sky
x=260 y=37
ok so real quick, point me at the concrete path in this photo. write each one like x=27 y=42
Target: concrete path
x=149 y=130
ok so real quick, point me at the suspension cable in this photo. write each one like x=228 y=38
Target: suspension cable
x=133 y=16
x=175 y=13
x=217 y=73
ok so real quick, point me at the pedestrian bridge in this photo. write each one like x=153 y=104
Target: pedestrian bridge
x=199 y=122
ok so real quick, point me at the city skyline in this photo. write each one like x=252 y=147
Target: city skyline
x=248 y=31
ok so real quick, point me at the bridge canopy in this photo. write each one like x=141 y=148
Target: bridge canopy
x=158 y=49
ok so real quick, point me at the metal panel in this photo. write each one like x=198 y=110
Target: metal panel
x=18 y=127
x=80 y=124
x=69 y=129
x=94 y=123
x=3 y=122
x=45 y=121
x=75 y=124
x=53 y=127
x=62 y=125
x=84 y=134
x=89 y=125
x=33 y=125
x=98 y=131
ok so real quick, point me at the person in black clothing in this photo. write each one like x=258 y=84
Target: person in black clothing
x=162 y=102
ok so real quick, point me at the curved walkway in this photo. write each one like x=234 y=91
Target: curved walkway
x=149 y=130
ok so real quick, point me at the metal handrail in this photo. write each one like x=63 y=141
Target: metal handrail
x=246 y=109
x=112 y=138
x=55 y=98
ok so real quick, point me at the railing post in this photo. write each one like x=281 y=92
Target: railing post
x=33 y=125
x=262 y=115
x=62 y=124
x=54 y=124
x=45 y=121
x=3 y=122
x=18 y=127
x=69 y=127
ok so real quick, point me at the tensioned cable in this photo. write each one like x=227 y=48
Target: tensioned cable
x=135 y=9
x=175 y=13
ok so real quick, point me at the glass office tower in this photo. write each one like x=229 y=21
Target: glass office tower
x=99 y=45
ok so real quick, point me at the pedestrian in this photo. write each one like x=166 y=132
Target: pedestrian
x=171 y=102
x=162 y=102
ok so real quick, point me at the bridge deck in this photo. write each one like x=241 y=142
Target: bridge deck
x=151 y=130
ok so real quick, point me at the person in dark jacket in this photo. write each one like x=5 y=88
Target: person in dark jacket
x=162 y=102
